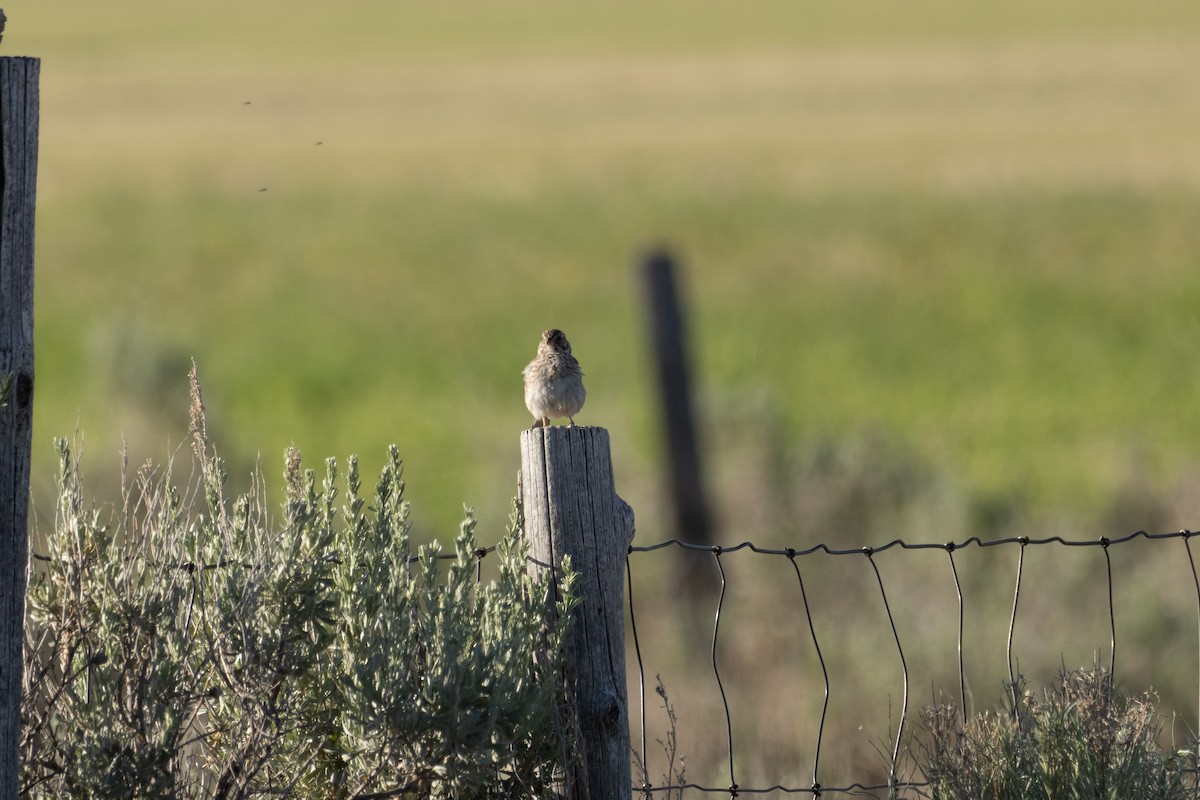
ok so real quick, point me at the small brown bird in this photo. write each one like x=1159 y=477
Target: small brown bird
x=553 y=381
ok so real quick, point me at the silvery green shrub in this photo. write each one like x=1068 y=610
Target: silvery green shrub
x=190 y=645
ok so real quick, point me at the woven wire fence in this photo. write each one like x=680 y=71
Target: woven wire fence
x=794 y=558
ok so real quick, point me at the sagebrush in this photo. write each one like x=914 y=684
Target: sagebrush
x=189 y=645
x=1079 y=740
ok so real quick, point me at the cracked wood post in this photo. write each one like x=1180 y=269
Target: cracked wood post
x=570 y=507
x=18 y=176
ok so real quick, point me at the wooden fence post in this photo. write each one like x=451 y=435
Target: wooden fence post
x=18 y=177
x=571 y=508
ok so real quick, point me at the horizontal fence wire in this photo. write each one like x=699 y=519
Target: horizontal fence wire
x=191 y=566
x=894 y=784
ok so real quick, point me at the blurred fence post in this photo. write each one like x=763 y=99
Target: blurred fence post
x=18 y=178
x=571 y=507
x=689 y=501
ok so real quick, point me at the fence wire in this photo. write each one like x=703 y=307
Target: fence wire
x=894 y=784
x=816 y=789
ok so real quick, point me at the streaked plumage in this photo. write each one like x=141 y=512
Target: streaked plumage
x=553 y=381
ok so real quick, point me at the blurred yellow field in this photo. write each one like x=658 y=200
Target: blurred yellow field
x=510 y=101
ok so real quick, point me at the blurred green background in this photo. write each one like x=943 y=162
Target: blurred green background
x=941 y=257
x=971 y=229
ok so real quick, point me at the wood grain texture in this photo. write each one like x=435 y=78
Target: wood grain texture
x=19 y=105
x=571 y=507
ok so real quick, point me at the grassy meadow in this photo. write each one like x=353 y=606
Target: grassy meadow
x=941 y=271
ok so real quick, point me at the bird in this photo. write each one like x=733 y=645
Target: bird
x=553 y=381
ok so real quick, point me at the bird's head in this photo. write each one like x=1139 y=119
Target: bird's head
x=556 y=340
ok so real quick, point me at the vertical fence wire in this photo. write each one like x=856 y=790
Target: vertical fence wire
x=962 y=674
x=1112 y=617
x=816 y=784
x=1187 y=542
x=903 y=667
x=716 y=551
x=1012 y=624
x=641 y=675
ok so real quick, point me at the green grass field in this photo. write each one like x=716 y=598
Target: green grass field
x=967 y=232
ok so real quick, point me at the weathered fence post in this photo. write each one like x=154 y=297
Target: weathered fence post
x=571 y=508
x=18 y=176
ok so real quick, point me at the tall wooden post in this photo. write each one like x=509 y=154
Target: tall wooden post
x=18 y=177
x=571 y=508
